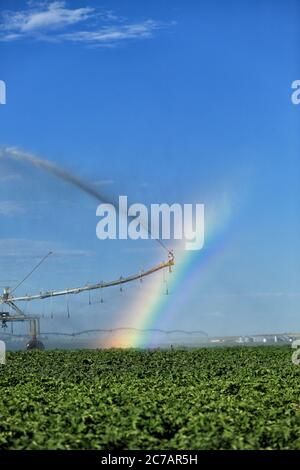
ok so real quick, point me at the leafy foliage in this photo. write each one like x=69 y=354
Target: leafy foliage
x=234 y=398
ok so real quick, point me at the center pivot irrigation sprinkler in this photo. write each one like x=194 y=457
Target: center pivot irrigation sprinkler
x=9 y=299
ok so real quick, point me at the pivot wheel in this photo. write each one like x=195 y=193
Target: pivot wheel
x=35 y=344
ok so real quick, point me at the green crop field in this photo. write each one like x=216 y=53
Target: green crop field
x=233 y=398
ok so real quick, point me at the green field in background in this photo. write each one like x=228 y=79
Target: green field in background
x=233 y=398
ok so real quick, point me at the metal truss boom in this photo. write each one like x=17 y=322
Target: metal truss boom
x=6 y=298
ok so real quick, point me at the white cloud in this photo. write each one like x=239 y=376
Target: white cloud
x=10 y=177
x=11 y=208
x=43 y=17
x=103 y=182
x=112 y=34
x=256 y=295
x=24 y=248
x=57 y=22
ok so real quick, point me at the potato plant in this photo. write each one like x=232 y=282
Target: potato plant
x=232 y=398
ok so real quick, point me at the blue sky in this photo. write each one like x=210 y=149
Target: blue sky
x=165 y=101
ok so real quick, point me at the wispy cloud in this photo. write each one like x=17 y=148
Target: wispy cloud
x=111 y=34
x=255 y=295
x=11 y=208
x=103 y=182
x=57 y=22
x=24 y=248
x=10 y=177
x=43 y=17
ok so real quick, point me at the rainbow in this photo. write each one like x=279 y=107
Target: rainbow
x=151 y=308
